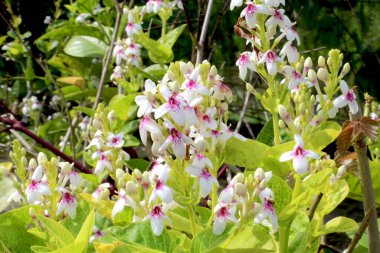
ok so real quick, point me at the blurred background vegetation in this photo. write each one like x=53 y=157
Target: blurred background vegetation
x=350 y=25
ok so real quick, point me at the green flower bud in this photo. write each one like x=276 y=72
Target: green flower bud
x=33 y=164
x=137 y=174
x=302 y=108
x=131 y=188
x=241 y=190
x=308 y=63
x=346 y=69
x=282 y=124
x=323 y=75
x=41 y=158
x=259 y=174
x=321 y=62
x=111 y=116
x=119 y=173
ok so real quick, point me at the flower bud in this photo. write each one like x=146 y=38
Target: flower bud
x=41 y=157
x=297 y=123
x=299 y=66
x=105 y=194
x=209 y=203
x=155 y=137
x=119 y=173
x=24 y=161
x=341 y=171
x=119 y=163
x=262 y=185
x=137 y=174
x=271 y=31
x=321 y=62
x=121 y=182
x=312 y=76
x=238 y=178
x=312 y=99
x=346 y=69
x=213 y=71
x=284 y=114
x=330 y=63
x=111 y=116
x=32 y=164
x=145 y=178
x=155 y=147
x=96 y=124
x=259 y=174
x=3 y=171
x=308 y=63
x=130 y=188
x=319 y=165
x=200 y=144
x=241 y=190
x=66 y=168
x=323 y=75
x=302 y=108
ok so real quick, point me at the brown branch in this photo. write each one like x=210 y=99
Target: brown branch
x=314 y=206
x=201 y=42
x=359 y=233
x=17 y=125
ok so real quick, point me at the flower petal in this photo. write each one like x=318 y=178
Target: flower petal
x=157 y=225
x=287 y=156
x=118 y=207
x=219 y=226
x=300 y=165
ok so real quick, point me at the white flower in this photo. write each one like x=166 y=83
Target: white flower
x=146 y=125
x=347 y=98
x=147 y=101
x=154 y=6
x=177 y=141
x=299 y=156
x=67 y=204
x=160 y=189
x=278 y=18
x=295 y=78
x=119 y=53
x=132 y=27
x=271 y=59
x=84 y=123
x=291 y=34
x=223 y=213
x=205 y=179
x=174 y=106
x=221 y=91
x=267 y=210
x=245 y=62
x=290 y=52
x=250 y=12
x=37 y=189
x=192 y=87
x=157 y=218
x=81 y=18
x=97 y=233
x=47 y=20
x=207 y=120
x=103 y=161
x=98 y=192
x=274 y=3
x=235 y=3
x=124 y=200
x=115 y=141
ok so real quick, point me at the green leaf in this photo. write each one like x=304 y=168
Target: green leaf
x=282 y=192
x=138 y=163
x=13 y=230
x=74 y=226
x=299 y=233
x=266 y=135
x=122 y=105
x=336 y=193
x=158 y=52
x=252 y=238
x=326 y=134
x=85 y=46
x=247 y=153
x=72 y=30
x=271 y=159
x=337 y=225
x=156 y=70
x=56 y=230
x=181 y=222
x=76 y=247
x=124 y=217
x=89 y=111
x=171 y=37
x=104 y=207
x=86 y=230
x=141 y=234
x=75 y=93
x=207 y=240
x=364 y=240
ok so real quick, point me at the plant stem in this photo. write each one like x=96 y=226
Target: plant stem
x=275 y=129
x=367 y=189
x=284 y=237
x=214 y=196
x=201 y=42
x=296 y=186
x=192 y=219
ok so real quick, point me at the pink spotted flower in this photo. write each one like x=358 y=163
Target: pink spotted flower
x=67 y=204
x=223 y=214
x=157 y=217
x=348 y=97
x=270 y=58
x=267 y=211
x=245 y=62
x=176 y=140
x=37 y=189
x=299 y=156
x=250 y=12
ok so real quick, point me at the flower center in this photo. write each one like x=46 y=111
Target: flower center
x=223 y=212
x=68 y=198
x=350 y=96
x=205 y=174
x=156 y=212
x=251 y=9
x=173 y=103
x=299 y=151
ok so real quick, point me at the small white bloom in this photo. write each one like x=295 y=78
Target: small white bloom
x=124 y=200
x=278 y=18
x=37 y=189
x=223 y=213
x=347 y=98
x=235 y=3
x=271 y=59
x=246 y=62
x=299 y=156
x=267 y=210
x=147 y=101
x=115 y=141
x=146 y=125
x=290 y=52
x=157 y=218
x=67 y=204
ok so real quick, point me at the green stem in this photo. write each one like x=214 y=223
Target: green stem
x=163 y=30
x=284 y=237
x=275 y=129
x=192 y=219
x=297 y=186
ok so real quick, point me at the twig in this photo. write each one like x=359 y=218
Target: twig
x=109 y=55
x=314 y=206
x=68 y=133
x=360 y=231
x=200 y=47
x=312 y=50
x=243 y=111
x=17 y=125
x=367 y=189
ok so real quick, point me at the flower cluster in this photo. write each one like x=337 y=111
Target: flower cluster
x=274 y=57
x=127 y=51
x=106 y=145
x=51 y=184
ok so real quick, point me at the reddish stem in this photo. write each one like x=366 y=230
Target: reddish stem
x=17 y=125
